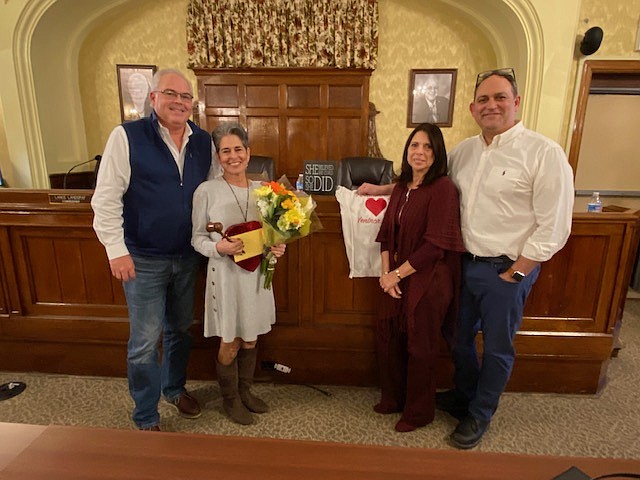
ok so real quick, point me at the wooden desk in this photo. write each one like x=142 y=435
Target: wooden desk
x=54 y=452
x=61 y=311
x=81 y=180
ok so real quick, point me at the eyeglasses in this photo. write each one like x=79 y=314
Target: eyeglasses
x=186 y=97
x=507 y=73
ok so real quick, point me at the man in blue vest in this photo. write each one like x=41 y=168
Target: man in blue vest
x=142 y=204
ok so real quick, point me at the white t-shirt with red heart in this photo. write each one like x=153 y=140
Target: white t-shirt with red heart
x=361 y=219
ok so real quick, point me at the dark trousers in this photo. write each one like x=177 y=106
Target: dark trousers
x=408 y=354
x=489 y=303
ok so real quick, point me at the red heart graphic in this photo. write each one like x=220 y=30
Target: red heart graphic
x=375 y=205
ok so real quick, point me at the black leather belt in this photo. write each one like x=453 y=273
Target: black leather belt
x=476 y=258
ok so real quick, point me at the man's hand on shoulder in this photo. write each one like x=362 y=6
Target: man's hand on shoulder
x=123 y=268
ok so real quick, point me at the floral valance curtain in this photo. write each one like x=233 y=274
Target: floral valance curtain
x=282 y=33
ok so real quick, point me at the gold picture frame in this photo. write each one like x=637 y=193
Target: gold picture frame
x=431 y=96
x=134 y=86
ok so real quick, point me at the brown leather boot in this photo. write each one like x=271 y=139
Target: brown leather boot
x=246 y=367
x=231 y=403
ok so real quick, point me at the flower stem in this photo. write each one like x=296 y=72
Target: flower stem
x=268 y=268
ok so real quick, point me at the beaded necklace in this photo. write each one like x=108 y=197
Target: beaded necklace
x=246 y=208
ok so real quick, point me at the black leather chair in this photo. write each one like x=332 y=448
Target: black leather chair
x=354 y=171
x=261 y=168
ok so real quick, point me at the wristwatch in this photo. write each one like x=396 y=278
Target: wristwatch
x=516 y=275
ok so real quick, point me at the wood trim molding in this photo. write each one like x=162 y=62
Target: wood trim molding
x=590 y=68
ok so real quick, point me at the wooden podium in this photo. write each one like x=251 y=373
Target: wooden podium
x=61 y=311
x=74 y=180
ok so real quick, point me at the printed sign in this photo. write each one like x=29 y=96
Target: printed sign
x=320 y=177
x=68 y=198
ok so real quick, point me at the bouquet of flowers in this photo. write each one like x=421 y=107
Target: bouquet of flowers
x=286 y=216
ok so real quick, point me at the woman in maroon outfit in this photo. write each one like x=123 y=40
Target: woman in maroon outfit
x=420 y=243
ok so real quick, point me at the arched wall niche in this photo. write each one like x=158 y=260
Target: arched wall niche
x=515 y=32
x=47 y=39
x=49 y=34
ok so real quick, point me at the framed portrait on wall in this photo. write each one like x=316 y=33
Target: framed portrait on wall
x=431 y=96
x=134 y=85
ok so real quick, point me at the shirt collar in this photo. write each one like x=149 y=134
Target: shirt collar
x=161 y=128
x=505 y=137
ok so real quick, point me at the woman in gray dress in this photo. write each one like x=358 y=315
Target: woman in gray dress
x=237 y=307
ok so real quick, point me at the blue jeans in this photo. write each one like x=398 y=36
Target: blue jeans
x=160 y=303
x=496 y=306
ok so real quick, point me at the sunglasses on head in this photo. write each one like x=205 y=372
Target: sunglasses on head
x=507 y=73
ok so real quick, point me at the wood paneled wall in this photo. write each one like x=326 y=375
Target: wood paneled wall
x=61 y=311
x=291 y=115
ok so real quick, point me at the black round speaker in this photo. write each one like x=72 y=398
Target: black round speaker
x=591 y=41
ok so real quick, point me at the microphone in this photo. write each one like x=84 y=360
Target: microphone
x=97 y=158
x=271 y=365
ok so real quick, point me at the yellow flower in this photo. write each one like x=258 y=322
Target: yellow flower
x=263 y=191
x=291 y=220
x=288 y=204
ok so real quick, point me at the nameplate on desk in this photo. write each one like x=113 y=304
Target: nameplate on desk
x=320 y=177
x=69 y=198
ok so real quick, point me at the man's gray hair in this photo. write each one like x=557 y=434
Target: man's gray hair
x=155 y=81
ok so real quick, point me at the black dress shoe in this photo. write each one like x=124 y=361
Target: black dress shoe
x=469 y=432
x=454 y=402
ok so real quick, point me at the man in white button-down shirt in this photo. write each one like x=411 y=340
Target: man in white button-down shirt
x=516 y=202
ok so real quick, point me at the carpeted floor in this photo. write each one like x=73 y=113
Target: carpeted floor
x=604 y=425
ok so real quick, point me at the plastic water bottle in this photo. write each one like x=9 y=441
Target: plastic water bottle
x=300 y=183
x=595 y=204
